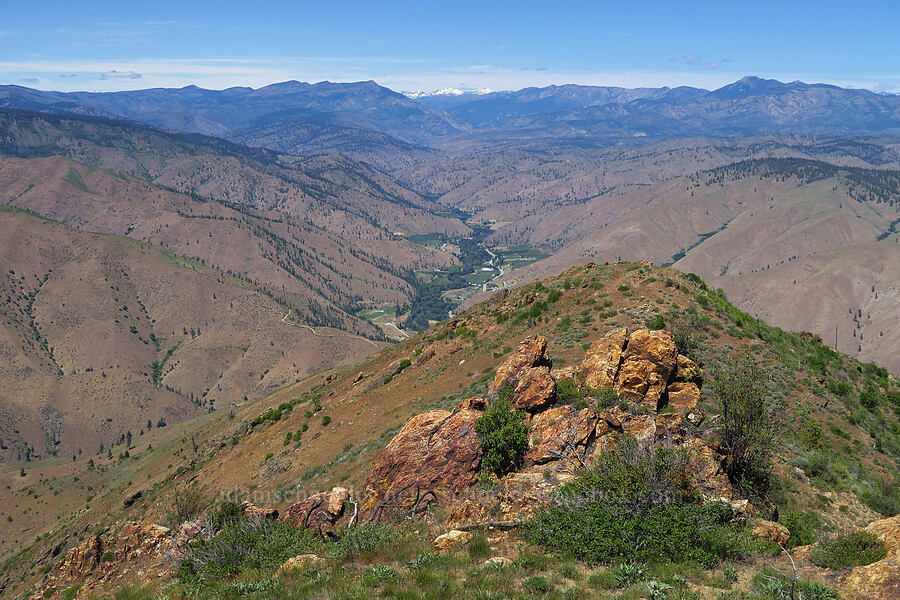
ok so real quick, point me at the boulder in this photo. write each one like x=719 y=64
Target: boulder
x=878 y=581
x=301 y=562
x=706 y=466
x=433 y=458
x=320 y=512
x=527 y=373
x=531 y=353
x=534 y=390
x=259 y=513
x=452 y=539
x=647 y=366
x=558 y=429
x=669 y=426
x=642 y=428
x=770 y=530
x=601 y=362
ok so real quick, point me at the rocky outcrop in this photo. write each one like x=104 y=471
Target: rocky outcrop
x=136 y=555
x=259 y=513
x=601 y=363
x=556 y=432
x=648 y=364
x=707 y=470
x=321 y=512
x=769 y=530
x=80 y=562
x=527 y=373
x=433 y=458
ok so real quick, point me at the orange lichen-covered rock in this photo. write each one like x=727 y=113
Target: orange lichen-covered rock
x=527 y=373
x=321 y=512
x=769 y=530
x=648 y=364
x=642 y=428
x=534 y=390
x=560 y=429
x=706 y=467
x=683 y=396
x=601 y=362
x=433 y=458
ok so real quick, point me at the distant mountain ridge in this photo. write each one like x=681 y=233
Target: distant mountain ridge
x=329 y=116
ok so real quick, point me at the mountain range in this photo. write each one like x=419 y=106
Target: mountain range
x=748 y=106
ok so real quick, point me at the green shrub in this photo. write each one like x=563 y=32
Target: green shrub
x=804 y=527
x=363 y=541
x=503 y=433
x=848 y=550
x=869 y=397
x=607 y=397
x=569 y=391
x=810 y=434
x=241 y=545
x=770 y=584
x=225 y=513
x=884 y=498
x=537 y=585
x=637 y=504
x=657 y=322
x=752 y=421
x=189 y=502
x=629 y=573
x=553 y=296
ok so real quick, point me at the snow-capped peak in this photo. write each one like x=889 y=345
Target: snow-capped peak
x=484 y=92
x=443 y=92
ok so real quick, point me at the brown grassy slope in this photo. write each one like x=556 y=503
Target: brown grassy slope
x=85 y=317
x=744 y=234
x=253 y=461
x=315 y=271
x=524 y=185
x=330 y=192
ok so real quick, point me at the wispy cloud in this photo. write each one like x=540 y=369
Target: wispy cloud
x=119 y=75
x=31 y=80
x=690 y=59
x=396 y=73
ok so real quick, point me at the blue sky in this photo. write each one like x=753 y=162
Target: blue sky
x=115 y=45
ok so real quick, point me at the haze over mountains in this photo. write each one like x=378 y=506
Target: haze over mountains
x=331 y=206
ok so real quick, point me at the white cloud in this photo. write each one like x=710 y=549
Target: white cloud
x=397 y=74
x=120 y=75
x=690 y=59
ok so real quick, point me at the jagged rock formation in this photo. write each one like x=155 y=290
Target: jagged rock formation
x=323 y=512
x=137 y=553
x=527 y=374
x=435 y=456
